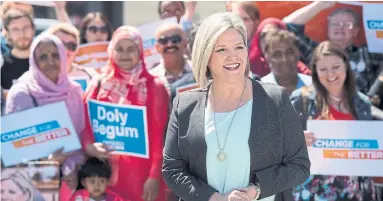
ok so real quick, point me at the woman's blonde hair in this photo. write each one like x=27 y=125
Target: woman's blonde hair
x=208 y=32
x=65 y=28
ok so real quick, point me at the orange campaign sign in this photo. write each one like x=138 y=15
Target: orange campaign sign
x=92 y=55
x=315 y=28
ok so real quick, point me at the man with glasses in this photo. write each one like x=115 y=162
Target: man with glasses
x=20 y=28
x=343 y=28
x=59 y=7
x=174 y=68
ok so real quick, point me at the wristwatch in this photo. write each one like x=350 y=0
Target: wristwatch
x=258 y=190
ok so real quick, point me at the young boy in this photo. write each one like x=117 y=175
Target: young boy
x=93 y=179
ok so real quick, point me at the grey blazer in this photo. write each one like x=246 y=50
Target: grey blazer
x=278 y=152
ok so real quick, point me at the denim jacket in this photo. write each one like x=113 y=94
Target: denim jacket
x=361 y=103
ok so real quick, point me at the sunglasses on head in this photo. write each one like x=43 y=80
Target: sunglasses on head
x=71 y=46
x=94 y=29
x=175 y=39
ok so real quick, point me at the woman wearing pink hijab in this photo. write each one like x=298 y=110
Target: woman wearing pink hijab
x=47 y=82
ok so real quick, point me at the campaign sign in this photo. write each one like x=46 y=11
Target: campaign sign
x=349 y=148
x=83 y=81
x=373 y=26
x=92 y=55
x=121 y=127
x=35 y=133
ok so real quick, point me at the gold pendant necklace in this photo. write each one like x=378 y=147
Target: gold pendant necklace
x=222 y=155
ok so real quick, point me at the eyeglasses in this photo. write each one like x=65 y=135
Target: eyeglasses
x=348 y=25
x=94 y=29
x=170 y=13
x=175 y=39
x=26 y=29
x=71 y=46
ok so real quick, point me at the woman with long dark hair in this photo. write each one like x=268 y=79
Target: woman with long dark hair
x=333 y=96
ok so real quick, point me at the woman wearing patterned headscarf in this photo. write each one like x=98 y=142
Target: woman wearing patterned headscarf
x=127 y=82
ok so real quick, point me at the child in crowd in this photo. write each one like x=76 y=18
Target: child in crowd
x=93 y=180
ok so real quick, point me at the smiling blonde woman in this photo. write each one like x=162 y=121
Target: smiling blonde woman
x=234 y=138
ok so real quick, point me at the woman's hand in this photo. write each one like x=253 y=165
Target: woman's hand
x=58 y=156
x=238 y=195
x=151 y=189
x=98 y=150
x=60 y=4
x=251 y=192
x=310 y=138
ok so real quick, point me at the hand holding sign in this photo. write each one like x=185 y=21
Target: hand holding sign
x=310 y=138
x=58 y=156
x=122 y=127
x=98 y=150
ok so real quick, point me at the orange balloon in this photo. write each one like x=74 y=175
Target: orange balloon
x=316 y=28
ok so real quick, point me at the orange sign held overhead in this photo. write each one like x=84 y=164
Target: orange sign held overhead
x=315 y=28
x=92 y=55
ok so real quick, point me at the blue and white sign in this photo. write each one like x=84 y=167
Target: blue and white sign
x=348 y=148
x=373 y=26
x=35 y=133
x=121 y=127
x=82 y=80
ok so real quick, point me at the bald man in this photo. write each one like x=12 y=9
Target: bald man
x=174 y=68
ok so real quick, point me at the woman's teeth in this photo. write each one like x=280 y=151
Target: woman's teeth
x=332 y=79
x=232 y=66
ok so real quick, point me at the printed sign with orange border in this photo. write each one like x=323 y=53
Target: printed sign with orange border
x=92 y=55
x=349 y=148
x=35 y=138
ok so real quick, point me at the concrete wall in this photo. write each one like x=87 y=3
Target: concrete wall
x=137 y=13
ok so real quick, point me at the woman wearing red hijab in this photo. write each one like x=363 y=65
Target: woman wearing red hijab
x=258 y=64
x=126 y=81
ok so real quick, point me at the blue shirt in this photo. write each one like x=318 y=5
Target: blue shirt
x=5 y=47
x=303 y=80
x=234 y=171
